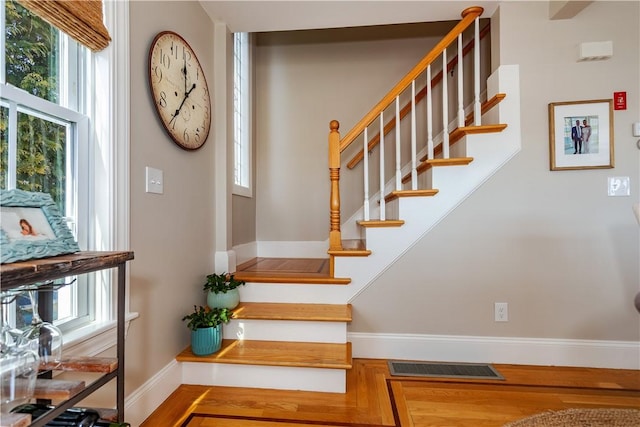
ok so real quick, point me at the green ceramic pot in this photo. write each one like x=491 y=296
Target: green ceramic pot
x=205 y=341
x=229 y=300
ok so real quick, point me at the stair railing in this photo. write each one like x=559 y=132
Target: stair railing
x=337 y=145
x=420 y=95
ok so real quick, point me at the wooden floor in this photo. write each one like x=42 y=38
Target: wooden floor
x=375 y=398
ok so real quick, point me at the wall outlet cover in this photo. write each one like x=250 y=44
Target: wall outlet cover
x=618 y=186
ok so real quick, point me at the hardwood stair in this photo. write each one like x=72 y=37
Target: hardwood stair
x=307 y=312
x=409 y=193
x=268 y=345
x=277 y=353
x=427 y=164
x=290 y=332
x=289 y=270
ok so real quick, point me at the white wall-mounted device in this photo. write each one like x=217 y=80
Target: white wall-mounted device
x=594 y=51
x=636 y=129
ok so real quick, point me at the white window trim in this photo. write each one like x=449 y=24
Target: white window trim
x=111 y=70
x=240 y=190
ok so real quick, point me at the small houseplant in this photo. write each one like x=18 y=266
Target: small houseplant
x=206 y=329
x=222 y=291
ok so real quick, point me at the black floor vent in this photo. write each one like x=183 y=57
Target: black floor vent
x=444 y=370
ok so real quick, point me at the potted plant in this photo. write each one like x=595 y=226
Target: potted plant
x=222 y=291
x=206 y=329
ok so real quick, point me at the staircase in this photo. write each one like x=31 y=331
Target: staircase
x=290 y=332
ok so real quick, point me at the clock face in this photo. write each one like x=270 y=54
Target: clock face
x=179 y=89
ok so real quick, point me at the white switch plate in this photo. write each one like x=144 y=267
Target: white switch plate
x=154 y=180
x=618 y=186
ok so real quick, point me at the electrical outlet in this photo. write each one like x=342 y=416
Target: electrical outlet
x=501 y=311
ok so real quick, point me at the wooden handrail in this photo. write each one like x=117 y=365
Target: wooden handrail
x=391 y=124
x=468 y=17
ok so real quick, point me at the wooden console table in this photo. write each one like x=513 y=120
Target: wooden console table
x=37 y=271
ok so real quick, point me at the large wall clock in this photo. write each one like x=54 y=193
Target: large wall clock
x=179 y=89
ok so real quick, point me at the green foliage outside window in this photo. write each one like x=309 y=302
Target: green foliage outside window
x=31 y=58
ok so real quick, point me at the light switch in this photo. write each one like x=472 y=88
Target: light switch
x=154 y=180
x=618 y=186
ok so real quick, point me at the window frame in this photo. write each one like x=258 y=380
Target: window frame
x=108 y=206
x=243 y=130
x=19 y=101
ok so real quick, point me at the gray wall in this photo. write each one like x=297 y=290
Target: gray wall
x=305 y=79
x=552 y=244
x=172 y=234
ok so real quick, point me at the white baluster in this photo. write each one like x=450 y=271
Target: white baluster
x=414 y=173
x=429 y=116
x=460 y=84
x=398 y=160
x=445 y=107
x=366 y=174
x=477 y=112
x=382 y=202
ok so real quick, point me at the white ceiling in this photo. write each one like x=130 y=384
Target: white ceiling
x=266 y=15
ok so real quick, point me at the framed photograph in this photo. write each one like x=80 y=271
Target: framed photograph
x=581 y=135
x=31 y=227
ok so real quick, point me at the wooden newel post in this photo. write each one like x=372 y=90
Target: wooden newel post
x=335 y=240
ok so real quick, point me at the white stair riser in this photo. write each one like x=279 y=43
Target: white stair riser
x=286 y=330
x=270 y=377
x=294 y=293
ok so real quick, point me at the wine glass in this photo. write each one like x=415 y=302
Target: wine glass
x=18 y=374
x=19 y=362
x=9 y=336
x=48 y=336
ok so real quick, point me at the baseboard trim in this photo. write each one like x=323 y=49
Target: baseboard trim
x=225 y=261
x=246 y=252
x=507 y=350
x=149 y=396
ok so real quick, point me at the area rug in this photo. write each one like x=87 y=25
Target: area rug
x=582 y=418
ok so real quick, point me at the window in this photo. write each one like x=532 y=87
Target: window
x=61 y=112
x=241 y=115
x=41 y=125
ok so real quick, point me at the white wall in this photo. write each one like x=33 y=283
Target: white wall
x=550 y=243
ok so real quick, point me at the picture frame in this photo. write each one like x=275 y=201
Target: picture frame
x=590 y=147
x=32 y=227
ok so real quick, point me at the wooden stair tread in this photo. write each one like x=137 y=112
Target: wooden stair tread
x=288 y=271
x=349 y=252
x=381 y=223
x=277 y=353
x=427 y=164
x=84 y=364
x=285 y=311
x=57 y=389
x=486 y=106
x=409 y=193
x=458 y=133
x=291 y=278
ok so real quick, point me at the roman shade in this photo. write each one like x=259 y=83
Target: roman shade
x=82 y=20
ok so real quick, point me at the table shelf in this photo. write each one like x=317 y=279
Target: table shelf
x=40 y=273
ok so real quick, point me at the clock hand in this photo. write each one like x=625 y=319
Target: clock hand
x=184 y=71
x=186 y=95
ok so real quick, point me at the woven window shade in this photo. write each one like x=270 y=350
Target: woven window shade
x=82 y=20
